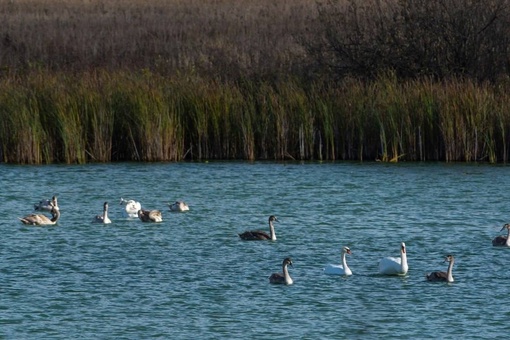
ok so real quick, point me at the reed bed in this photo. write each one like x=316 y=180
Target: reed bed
x=217 y=37
x=103 y=116
x=232 y=39
x=129 y=80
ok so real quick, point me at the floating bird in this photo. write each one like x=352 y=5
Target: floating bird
x=339 y=269
x=104 y=217
x=178 y=206
x=40 y=219
x=395 y=265
x=443 y=276
x=257 y=235
x=46 y=205
x=284 y=277
x=132 y=207
x=502 y=241
x=150 y=215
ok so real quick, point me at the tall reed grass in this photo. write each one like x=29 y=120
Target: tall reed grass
x=118 y=116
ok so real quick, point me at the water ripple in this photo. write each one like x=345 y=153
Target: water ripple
x=191 y=276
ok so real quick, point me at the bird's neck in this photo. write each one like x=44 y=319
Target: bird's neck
x=403 y=261
x=344 y=260
x=55 y=217
x=347 y=270
x=450 y=271
x=272 y=232
x=286 y=275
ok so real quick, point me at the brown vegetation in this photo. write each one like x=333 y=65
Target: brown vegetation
x=220 y=38
x=441 y=39
x=91 y=80
x=263 y=39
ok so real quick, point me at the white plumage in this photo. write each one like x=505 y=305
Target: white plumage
x=104 y=217
x=132 y=207
x=46 y=205
x=395 y=265
x=339 y=269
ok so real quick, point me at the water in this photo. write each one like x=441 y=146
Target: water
x=191 y=276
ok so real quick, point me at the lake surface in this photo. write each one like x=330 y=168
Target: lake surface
x=191 y=277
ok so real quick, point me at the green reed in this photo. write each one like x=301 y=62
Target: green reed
x=467 y=121
x=116 y=116
x=23 y=137
x=146 y=124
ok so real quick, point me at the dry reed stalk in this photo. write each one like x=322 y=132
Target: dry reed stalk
x=55 y=117
x=219 y=37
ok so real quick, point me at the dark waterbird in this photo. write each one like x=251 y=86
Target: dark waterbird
x=104 y=217
x=258 y=235
x=443 y=276
x=502 y=241
x=283 y=277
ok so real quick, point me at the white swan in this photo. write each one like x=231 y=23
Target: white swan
x=178 y=206
x=40 y=219
x=46 y=205
x=502 y=241
x=395 y=265
x=258 y=235
x=339 y=269
x=104 y=217
x=150 y=215
x=132 y=207
x=284 y=277
x=443 y=276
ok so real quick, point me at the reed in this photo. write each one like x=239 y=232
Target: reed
x=467 y=121
x=423 y=109
x=322 y=110
x=355 y=121
x=244 y=113
x=146 y=125
x=105 y=116
x=232 y=40
x=501 y=125
x=96 y=81
x=222 y=38
x=294 y=124
x=23 y=139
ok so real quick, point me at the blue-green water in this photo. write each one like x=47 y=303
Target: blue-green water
x=191 y=277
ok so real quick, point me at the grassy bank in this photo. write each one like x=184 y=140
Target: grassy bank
x=118 y=116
